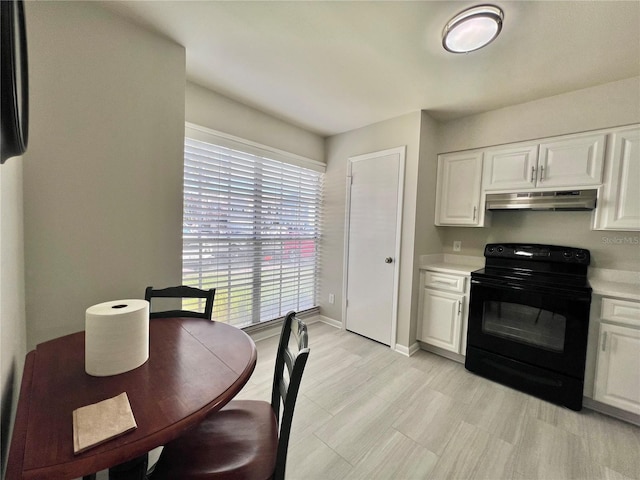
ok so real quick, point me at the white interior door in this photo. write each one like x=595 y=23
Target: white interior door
x=373 y=237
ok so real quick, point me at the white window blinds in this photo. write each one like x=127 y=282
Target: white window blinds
x=251 y=229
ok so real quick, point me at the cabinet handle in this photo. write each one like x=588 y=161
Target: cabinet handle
x=459 y=307
x=474 y=212
x=533 y=174
x=604 y=341
x=541 y=173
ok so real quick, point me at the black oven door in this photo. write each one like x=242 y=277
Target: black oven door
x=541 y=326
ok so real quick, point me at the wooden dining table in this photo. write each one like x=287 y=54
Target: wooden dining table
x=195 y=367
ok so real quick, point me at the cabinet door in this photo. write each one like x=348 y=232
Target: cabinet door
x=619 y=199
x=571 y=161
x=441 y=319
x=458 y=189
x=617 y=380
x=506 y=168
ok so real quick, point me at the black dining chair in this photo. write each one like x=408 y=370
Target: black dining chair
x=246 y=439
x=182 y=292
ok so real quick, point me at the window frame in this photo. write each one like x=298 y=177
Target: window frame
x=272 y=159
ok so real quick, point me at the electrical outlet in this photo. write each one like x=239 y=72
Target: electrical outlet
x=332 y=298
x=457 y=245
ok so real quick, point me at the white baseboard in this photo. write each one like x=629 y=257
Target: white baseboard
x=605 y=409
x=267 y=332
x=442 y=352
x=329 y=321
x=407 y=352
x=263 y=332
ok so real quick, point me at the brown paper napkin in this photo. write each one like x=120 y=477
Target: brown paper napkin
x=97 y=423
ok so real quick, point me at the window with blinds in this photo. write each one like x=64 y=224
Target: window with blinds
x=251 y=230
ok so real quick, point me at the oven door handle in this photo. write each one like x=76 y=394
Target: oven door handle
x=507 y=285
x=492 y=282
x=501 y=284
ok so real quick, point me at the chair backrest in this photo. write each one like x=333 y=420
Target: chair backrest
x=182 y=292
x=285 y=387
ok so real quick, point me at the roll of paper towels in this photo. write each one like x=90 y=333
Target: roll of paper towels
x=116 y=337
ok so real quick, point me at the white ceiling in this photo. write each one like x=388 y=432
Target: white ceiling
x=335 y=66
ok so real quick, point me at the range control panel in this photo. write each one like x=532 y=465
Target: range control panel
x=538 y=253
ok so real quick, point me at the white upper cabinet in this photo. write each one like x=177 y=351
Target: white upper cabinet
x=567 y=162
x=511 y=167
x=572 y=161
x=619 y=198
x=458 y=199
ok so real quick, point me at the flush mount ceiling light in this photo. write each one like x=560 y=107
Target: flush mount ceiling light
x=472 y=29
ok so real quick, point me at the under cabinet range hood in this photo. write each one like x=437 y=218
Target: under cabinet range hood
x=568 y=200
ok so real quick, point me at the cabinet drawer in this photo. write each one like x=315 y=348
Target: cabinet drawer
x=444 y=281
x=621 y=311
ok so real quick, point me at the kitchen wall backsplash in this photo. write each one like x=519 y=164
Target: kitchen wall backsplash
x=609 y=249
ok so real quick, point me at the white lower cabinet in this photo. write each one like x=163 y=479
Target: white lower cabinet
x=443 y=311
x=441 y=319
x=617 y=381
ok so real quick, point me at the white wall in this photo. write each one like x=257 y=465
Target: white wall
x=604 y=106
x=427 y=238
x=12 y=315
x=212 y=110
x=608 y=105
x=103 y=172
x=404 y=130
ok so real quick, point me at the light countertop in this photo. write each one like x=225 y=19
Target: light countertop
x=605 y=282
x=627 y=291
x=455 y=264
x=615 y=283
x=457 y=269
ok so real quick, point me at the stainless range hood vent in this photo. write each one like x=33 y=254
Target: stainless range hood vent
x=575 y=200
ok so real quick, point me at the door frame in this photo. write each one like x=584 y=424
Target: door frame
x=401 y=152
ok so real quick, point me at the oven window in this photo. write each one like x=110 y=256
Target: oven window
x=524 y=324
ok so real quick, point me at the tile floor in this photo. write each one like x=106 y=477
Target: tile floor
x=367 y=412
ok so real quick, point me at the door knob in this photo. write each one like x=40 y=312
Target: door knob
x=388 y=260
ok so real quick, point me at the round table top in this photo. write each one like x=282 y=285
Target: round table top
x=195 y=367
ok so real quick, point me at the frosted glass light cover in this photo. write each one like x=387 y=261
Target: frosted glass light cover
x=472 y=29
